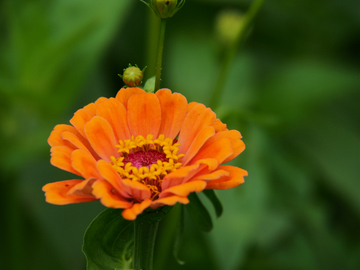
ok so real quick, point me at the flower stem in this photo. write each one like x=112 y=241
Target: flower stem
x=231 y=52
x=160 y=54
x=152 y=44
x=144 y=243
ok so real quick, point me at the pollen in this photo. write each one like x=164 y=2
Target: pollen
x=147 y=161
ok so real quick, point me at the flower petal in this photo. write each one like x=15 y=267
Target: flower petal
x=99 y=101
x=186 y=173
x=197 y=143
x=79 y=142
x=184 y=190
x=85 y=164
x=235 y=178
x=83 y=189
x=171 y=200
x=125 y=93
x=220 y=150
x=56 y=193
x=61 y=158
x=191 y=105
x=144 y=115
x=111 y=175
x=101 y=137
x=211 y=176
x=80 y=118
x=234 y=136
x=173 y=111
x=91 y=108
x=136 y=209
x=179 y=176
x=219 y=126
x=137 y=190
x=196 y=119
x=115 y=113
x=55 y=138
x=108 y=196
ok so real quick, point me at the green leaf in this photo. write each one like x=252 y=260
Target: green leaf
x=198 y=213
x=210 y=193
x=109 y=242
x=149 y=86
x=179 y=235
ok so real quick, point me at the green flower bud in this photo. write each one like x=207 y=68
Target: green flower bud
x=132 y=76
x=165 y=8
x=228 y=26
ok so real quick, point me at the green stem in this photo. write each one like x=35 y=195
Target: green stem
x=152 y=44
x=160 y=54
x=231 y=52
x=144 y=243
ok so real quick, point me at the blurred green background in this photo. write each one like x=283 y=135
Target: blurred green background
x=293 y=93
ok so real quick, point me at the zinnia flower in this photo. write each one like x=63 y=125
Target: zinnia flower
x=142 y=150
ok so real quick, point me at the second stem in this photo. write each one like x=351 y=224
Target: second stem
x=160 y=54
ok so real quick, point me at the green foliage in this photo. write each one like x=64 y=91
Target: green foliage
x=292 y=91
x=198 y=213
x=210 y=193
x=109 y=242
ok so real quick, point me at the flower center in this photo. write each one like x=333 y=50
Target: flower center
x=147 y=161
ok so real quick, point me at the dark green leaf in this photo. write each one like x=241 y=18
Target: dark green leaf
x=109 y=242
x=198 y=213
x=179 y=235
x=210 y=193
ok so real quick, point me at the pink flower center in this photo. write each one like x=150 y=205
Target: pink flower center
x=147 y=161
x=145 y=158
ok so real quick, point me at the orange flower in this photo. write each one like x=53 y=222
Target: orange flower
x=142 y=150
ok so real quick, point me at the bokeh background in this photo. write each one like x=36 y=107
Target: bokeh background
x=293 y=93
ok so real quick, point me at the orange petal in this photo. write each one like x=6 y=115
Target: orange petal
x=186 y=173
x=238 y=147
x=91 y=108
x=234 y=136
x=196 y=119
x=61 y=158
x=220 y=150
x=75 y=141
x=211 y=176
x=173 y=111
x=136 y=209
x=219 y=126
x=235 y=178
x=172 y=200
x=111 y=175
x=56 y=193
x=80 y=118
x=184 y=190
x=191 y=105
x=138 y=190
x=108 y=195
x=101 y=137
x=99 y=101
x=85 y=164
x=197 y=143
x=83 y=189
x=144 y=115
x=115 y=113
x=179 y=176
x=55 y=136
x=125 y=93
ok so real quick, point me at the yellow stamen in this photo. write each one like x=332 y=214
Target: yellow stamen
x=151 y=175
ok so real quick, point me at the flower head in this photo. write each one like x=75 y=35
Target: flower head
x=142 y=150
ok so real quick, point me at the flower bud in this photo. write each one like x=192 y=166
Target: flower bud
x=166 y=8
x=228 y=26
x=132 y=76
